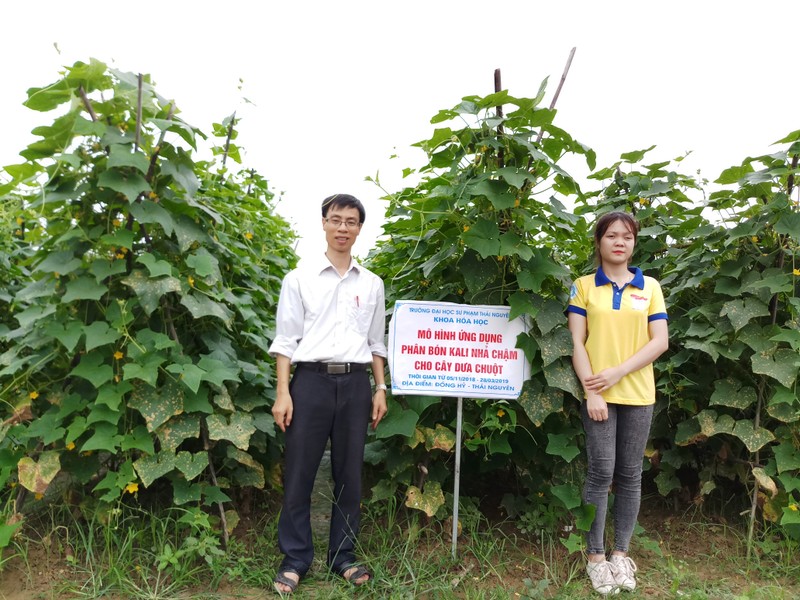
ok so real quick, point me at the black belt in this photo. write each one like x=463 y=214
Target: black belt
x=333 y=368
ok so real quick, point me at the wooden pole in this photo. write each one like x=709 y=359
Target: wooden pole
x=497 y=87
x=558 y=89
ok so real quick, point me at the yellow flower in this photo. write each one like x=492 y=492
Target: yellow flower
x=118 y=355
x=501 y=413
x=501 y=258
x=793 y=507
x=248 y=235
x=116 y=222
x=18 y=232
x=152 y=195
x=34 y=395
x=644 y=201
x=38 y=496
x=123 y=250
x=796 y=272
x=466 y=227
x=516 y=203
x=120 y=256
x=460 y=292
x=87 y=453
x=20 y=221
x=754 y=239
x=12 y=485
x=132 y=488
x=71 y=446
x=191 y=281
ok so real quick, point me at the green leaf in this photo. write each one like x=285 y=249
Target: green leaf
x=104 y=438
x=99 y=334
x=789 y=224
x=522 y=303
x=398 y=421
x=477 y=273
x=562 y=444
x=540 y=267
x=121 y=156
x=102 y=269
x=253 y=466
x=217 y=372
x=145 y=368
x=205 y=265
x=202 y=306
x=184 y=492
x=568 y=493
x=177 y=430
x=69 y=335
x=539 y=402
x=555 y=345
x=428 y=501
x=147 y=212
x=149 y=291
x=50 y=97
x=35 y=476
x=190 y=375
x=62 y=263
x=734 y=174
x=83 y=288
x=483 y=237
x=191 y=465
x=782 y=366
x=754 y=439
x=731 y=392
x=92 y=368
x=787 y=457
x=513 y=244
x=150 y=468
x=741 y=312
x=156 y=267
x=138 y=439
x=550 y=315
x=157 y=405
x=561 y=375
x=496 y=192
x=128 y=184
x=237 y=428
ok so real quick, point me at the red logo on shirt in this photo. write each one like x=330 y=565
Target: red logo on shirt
x=635 y=297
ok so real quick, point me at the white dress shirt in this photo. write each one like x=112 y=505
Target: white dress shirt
x=325 y=317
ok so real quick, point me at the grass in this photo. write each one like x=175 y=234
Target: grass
x=128 y=552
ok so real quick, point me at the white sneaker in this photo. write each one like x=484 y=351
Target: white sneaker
x=624 y=568
x=602 y=575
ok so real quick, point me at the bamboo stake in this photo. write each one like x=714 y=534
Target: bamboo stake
x=228 y=140
x=560 y=86
x=497 y=87
x=138 y=115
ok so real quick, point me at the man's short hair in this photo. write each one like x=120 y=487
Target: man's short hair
x=344 y=201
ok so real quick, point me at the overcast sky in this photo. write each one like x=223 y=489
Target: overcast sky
x=338 y=87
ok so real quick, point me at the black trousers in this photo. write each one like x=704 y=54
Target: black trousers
x=335 y=407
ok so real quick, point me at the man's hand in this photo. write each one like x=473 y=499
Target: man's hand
x=596 y=407
x=282 y=410
x=379 y=408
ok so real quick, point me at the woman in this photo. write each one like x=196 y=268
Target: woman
x=618 y=323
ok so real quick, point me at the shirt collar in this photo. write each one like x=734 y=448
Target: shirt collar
x=321 y=263
x=600 y=278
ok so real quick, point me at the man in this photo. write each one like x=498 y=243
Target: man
x=330 y=327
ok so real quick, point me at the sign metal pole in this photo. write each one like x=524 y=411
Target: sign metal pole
x=459 y=418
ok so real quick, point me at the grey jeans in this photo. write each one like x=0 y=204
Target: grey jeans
x=615 y=449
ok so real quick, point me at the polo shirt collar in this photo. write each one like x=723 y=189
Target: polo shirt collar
x=600 y=278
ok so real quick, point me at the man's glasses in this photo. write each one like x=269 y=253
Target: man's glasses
x=336 y=223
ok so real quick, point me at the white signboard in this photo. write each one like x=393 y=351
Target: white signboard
x=446 y=349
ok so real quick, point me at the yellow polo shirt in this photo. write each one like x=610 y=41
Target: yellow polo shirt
x=617 y=327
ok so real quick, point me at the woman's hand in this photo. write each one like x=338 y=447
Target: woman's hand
x=603 y=381
x=596 y=407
